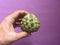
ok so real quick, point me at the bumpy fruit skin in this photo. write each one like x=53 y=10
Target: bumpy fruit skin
x=30 y=23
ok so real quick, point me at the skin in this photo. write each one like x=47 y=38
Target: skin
x=8 y=25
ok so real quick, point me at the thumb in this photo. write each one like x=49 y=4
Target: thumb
x=21 y=35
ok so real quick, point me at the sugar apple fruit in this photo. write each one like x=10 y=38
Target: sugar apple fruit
x=30 y=23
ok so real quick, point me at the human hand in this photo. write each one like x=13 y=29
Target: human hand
x=7 y=33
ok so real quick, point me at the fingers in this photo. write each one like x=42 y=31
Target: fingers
x=16 y=15
x=21 y=35
x=19 y=14
x=9 y=21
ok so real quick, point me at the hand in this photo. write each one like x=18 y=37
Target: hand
x=7 y=33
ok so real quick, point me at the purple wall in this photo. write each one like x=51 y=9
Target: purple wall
x=48 y=13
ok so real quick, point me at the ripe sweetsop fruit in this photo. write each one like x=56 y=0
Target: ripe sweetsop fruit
x=30 y=23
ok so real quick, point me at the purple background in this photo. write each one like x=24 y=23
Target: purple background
x=48 y=13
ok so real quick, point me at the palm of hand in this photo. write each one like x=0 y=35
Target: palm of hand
x=7 y=33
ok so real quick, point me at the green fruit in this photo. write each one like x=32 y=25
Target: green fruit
x=30 y=23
